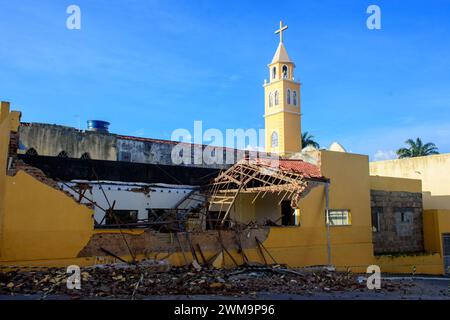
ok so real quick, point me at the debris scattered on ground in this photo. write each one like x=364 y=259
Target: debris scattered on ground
x=159 y=278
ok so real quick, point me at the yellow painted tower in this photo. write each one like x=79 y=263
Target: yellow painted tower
x=282 y=103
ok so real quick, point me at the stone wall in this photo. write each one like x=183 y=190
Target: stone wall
x=397 y=221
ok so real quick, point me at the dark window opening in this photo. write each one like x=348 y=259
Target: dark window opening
x=287 y=214
x=31 y=152
x=125 y=156
x=285 y=72
x=404 y=215
x=63 y=154
x=214 y=220
x=376 y=216
x=85 y=156
x=166 y=220
x=122 y=217
x=446 y=245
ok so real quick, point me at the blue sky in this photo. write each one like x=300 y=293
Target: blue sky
x=150 y=67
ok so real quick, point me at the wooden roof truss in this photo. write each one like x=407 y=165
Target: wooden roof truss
x=250 y=176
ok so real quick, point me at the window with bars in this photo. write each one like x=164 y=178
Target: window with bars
x=339 y=218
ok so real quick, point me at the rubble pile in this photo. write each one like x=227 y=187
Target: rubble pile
x=138 y=281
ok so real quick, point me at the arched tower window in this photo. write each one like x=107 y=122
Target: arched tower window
x=274 y=139
x=295 y=98
x=276 y=98
x=285 y=72
x=62 y=154
x=31 y=152
x=274 y=72
x=85 y=156
x=288 y=96
x=270 y=99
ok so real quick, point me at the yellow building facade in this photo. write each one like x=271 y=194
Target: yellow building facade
x=44 y=226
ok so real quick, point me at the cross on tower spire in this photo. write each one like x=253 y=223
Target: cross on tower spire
x=280 y=31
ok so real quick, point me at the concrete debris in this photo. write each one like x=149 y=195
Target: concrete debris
x=149 y=265
x=151 y=278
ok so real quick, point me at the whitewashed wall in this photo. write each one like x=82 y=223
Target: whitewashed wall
x=160 y=197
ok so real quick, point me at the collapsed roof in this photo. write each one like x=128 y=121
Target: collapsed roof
x=260 y=176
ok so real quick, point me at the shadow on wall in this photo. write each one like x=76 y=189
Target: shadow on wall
x=436 y=202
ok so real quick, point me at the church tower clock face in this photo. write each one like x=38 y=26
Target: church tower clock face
x=282 y=103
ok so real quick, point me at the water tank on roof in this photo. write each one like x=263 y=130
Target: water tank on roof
x=98 y=126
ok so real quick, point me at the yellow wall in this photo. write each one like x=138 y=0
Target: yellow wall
x=306 y=245
x=38 y=222
x=395 y=184
x=411 y=264
x=4 y=140
x=430 y=169
x=38 y=214
x=351 y=246
x=436 y=223
x=350 y=189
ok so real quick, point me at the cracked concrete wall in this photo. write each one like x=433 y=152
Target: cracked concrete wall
x=50 y=140
x=144 y=152
x=160 y=152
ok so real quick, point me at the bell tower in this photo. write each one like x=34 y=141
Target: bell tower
x=282 y=103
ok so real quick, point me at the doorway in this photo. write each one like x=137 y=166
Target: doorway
x=287 y=214
x=446 y=252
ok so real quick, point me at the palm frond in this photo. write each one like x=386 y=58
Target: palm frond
x=417 y=149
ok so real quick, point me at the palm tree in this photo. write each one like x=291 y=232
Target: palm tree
x=417 y=149
x=308 y=140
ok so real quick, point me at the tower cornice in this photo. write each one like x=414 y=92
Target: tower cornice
x=281 y=80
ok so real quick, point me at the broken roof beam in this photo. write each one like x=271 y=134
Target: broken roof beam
x=249 y=176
